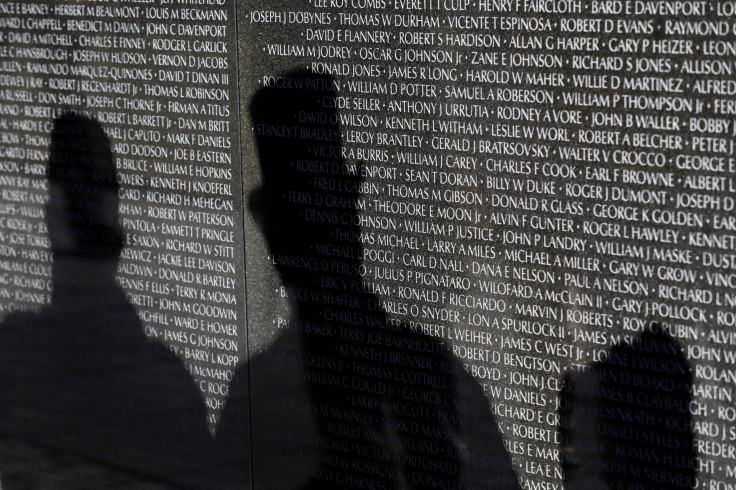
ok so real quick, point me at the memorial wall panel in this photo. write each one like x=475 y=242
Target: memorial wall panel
x=510 y=241
x=121 y=233
x=483 y=243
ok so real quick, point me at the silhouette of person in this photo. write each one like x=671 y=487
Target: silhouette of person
x=79 y=377
x=625 y=421
x=381 y=405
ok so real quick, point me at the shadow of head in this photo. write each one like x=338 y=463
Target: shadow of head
x=626 y=420
x=307 y=190
x=82 y=210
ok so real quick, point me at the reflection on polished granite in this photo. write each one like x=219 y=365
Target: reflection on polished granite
x=25 y=466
